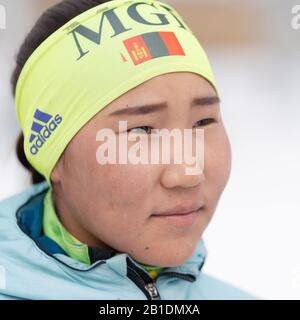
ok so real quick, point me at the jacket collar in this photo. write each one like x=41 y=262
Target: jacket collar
x=29 y=219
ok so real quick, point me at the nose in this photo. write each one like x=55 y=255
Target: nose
x=175 y=175
x=189 y=171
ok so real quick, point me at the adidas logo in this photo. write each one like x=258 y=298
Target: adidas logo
x=42 y=129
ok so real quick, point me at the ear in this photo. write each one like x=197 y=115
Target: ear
x=56 y=172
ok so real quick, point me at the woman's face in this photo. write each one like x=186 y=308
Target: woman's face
x=113 y=205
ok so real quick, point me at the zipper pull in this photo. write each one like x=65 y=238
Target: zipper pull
x=151 y=288
x=142 y=279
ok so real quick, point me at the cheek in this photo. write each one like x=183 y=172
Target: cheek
x=109 y=187
x=120 y=188
x=217 y=161
x=119 y=201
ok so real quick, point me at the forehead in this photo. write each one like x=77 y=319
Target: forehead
x=160 y=88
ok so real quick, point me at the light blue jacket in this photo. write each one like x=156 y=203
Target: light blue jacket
x=33 y=266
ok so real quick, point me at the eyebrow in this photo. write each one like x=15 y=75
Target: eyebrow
x=151 y=108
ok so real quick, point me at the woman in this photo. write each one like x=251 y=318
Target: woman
x=93 y=230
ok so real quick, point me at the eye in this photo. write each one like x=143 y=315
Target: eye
x=145 y=129
x=205 y=122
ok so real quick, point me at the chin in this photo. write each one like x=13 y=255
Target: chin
x=168 y=259
x=176 y=261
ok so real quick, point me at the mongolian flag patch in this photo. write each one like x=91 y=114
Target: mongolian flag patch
x=153 y=45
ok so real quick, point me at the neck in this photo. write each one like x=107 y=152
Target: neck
x=72 y=225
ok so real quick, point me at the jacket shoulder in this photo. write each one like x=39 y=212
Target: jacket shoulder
x=216 y=289
x=9 y=208
x=12 y=203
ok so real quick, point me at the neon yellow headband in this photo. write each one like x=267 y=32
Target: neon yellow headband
x=91 y=61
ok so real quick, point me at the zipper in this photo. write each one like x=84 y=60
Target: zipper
x=147 y=284
x=142 y=280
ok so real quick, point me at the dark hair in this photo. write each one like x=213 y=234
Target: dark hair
x=50 y=21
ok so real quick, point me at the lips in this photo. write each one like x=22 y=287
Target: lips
x=180 y=217
x=179 y=210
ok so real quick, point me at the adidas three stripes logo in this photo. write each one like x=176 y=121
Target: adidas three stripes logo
x=41 y=129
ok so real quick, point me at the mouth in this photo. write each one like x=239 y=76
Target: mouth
x=180 y=217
